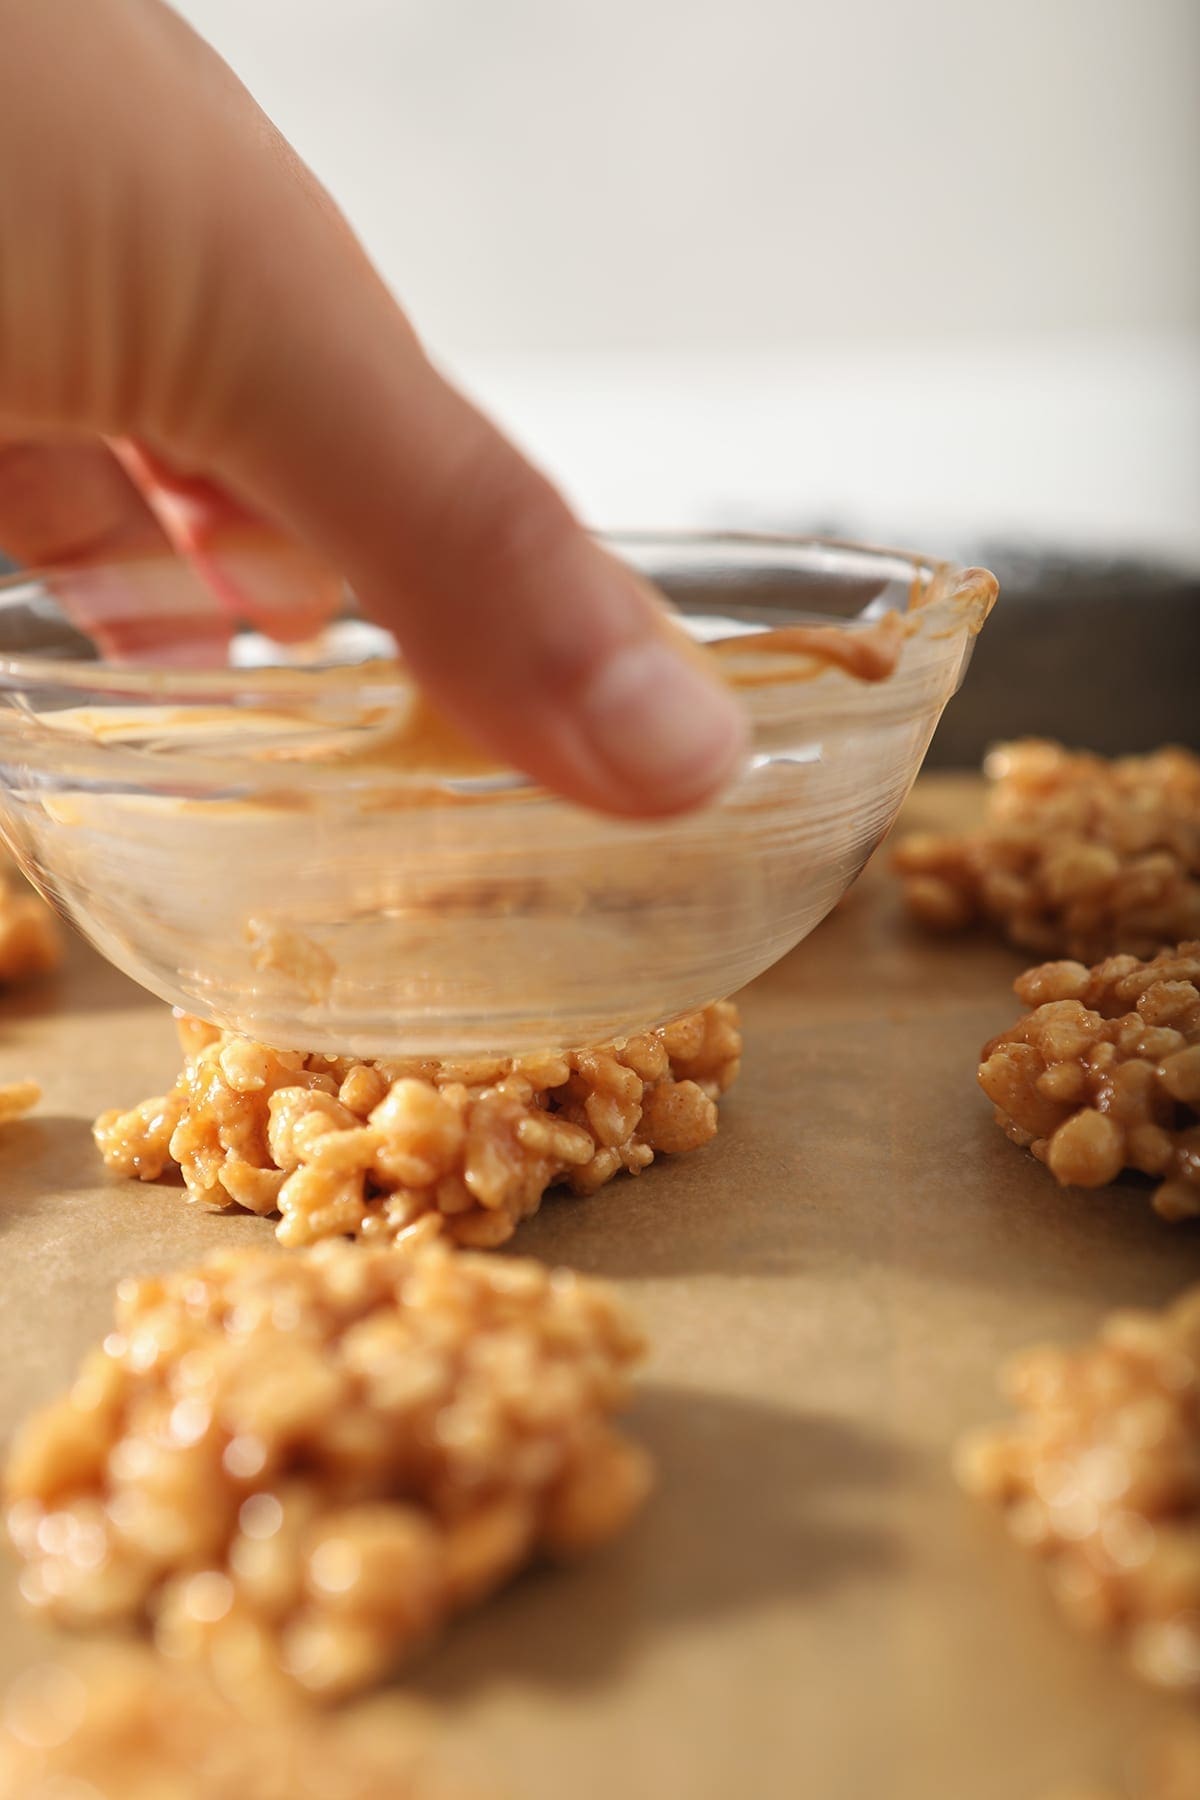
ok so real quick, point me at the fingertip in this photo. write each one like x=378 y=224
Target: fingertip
x=663 y=734
x=577 y=673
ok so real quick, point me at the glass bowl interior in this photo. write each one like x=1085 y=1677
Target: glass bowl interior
x=280 y=837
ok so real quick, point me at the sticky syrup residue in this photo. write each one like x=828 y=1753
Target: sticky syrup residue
x=410 y=736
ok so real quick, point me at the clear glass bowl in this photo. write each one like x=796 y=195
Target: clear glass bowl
x=265 y=837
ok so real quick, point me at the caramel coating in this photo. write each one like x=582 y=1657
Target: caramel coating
x=1100 y=1475
x=376 y=1149
x=122 y=1724
x=1078 y=856
x=1104 y=1073
x=298 y=1468
x=30 y=938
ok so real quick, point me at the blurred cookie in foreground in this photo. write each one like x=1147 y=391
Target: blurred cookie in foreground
x=371 y=1149
x=118 y=1723
x=1167 y=1769
x=31 y=940
x=1076 y=855
x=298 y=1468
x=1104 y=1073
x=1100 y=1476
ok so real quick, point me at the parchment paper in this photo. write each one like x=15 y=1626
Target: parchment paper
x=809 y=1607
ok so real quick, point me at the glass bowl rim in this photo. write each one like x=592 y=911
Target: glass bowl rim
x=938 y=588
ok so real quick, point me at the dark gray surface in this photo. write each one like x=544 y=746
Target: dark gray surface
x=1101 y=652
x=1102 y=657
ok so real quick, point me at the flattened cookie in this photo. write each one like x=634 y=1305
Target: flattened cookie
x=30 y=937
x=297 y=1468
x=372 y=1149
x=1077 y=856
x=1100 y=1476
x=1104 y=1073
x=119 y=1723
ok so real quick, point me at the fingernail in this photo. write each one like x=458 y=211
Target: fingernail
x=666 y=734
x=277 y=585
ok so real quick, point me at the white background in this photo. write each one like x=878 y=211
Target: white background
x=841 y=245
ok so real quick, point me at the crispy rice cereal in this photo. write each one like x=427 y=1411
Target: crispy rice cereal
x=30 y=938
x=1101 y=1476
x=17 y=1098
x=299 y=1467
x=338 y=1147
x=1078 y=856
x=122 y=1724
x=1104 y=1073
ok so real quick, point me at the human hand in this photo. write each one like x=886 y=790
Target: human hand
x=195 y=350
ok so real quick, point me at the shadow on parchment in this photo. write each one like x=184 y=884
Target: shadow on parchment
x=816 y=1171
x=41 y=1157
x=1004 y=1225
x=750 y=1511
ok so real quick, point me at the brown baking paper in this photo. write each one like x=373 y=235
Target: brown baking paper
x=808 y=1608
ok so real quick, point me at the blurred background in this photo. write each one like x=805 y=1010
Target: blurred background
x=917 y=270
x=712 y=174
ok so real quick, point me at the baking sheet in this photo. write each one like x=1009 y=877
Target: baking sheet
x=808 y=1607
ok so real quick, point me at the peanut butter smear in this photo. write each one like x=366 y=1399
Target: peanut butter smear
x=407 y=734
x=867 y=653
